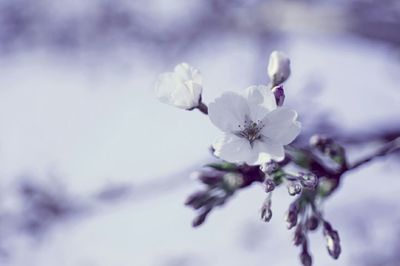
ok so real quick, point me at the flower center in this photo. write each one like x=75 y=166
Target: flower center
x=250 y=130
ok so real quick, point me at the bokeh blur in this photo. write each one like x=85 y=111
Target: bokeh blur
x=94 y=170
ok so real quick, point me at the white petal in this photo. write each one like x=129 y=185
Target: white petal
x=269 y=98
x=182 y=71
x=254 y=94
x=228 y=111
x=278 y=67
x=195 y=90
x=266 y=151
x=260 y=100
x=182 y=88
x=234 y=149
x=187 y=72
x=281 y=126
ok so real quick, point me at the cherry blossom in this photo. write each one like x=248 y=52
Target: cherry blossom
x=181 y=88
x=255 y=129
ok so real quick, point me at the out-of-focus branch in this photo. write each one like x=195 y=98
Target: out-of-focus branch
x=388 y=148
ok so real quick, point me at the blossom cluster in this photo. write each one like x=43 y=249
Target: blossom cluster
x=254 y=146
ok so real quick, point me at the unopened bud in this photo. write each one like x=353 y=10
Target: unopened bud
x=308 y=180
x=291 y=215
x=233 y=180
x=269 y=185
x=332 y=241
x=279 y=94
x=269 y=167
x=200 y=219
x=196 y=198
x=210 y=178
x=293 y=188
x=278 y=67
x=326 y=145
x=299 y=237
x=266 y=213
x=312 y=223
x=319 y=140
x=305 y=257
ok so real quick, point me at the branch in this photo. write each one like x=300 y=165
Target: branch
x=388 y=148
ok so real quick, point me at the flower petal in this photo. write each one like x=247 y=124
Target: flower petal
x=187 y=72
x=261 y=95
x=260 y=100
x=234 y=149
x=228 y=111
x=268 y=149
x=281 y=126
x=181 y=88
x=278 y=67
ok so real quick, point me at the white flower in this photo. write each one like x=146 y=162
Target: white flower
x=181 y=88
x=278 y=67
x=255 y=129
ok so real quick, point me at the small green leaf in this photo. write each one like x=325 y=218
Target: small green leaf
x=278 y=176
x=228 y=167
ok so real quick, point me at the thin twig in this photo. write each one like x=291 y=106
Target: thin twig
x=388 y=148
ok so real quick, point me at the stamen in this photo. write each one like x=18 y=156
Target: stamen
x=250 y=130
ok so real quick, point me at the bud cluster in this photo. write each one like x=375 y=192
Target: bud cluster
x=329 y=148
x=303 y=215
x=221 y=181
x=302 y=181
x=219 y=187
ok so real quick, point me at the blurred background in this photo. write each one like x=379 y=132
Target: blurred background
x=94 y=171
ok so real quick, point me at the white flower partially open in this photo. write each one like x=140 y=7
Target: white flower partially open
x=278 y=67
x=181 y=88
x=255 y=129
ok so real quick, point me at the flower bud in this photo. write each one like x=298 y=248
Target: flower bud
x=321 y=143
x=299 y=237
x=269 y=185
x=293 y=188
x=266 y=213
x=305 y=257
x=269 y=167
x=308 y=180
x=291 y=215
x=312 y=223
x=200 y=219
x=278 y=68
x=181 y=88
x=233 y=181
x=332 y=241
x=279 y=94
x=195 y=198
x=209 y=178
x=317 y=140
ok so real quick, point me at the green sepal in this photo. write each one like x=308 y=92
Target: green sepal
x=278 y=176
x=225 y=166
